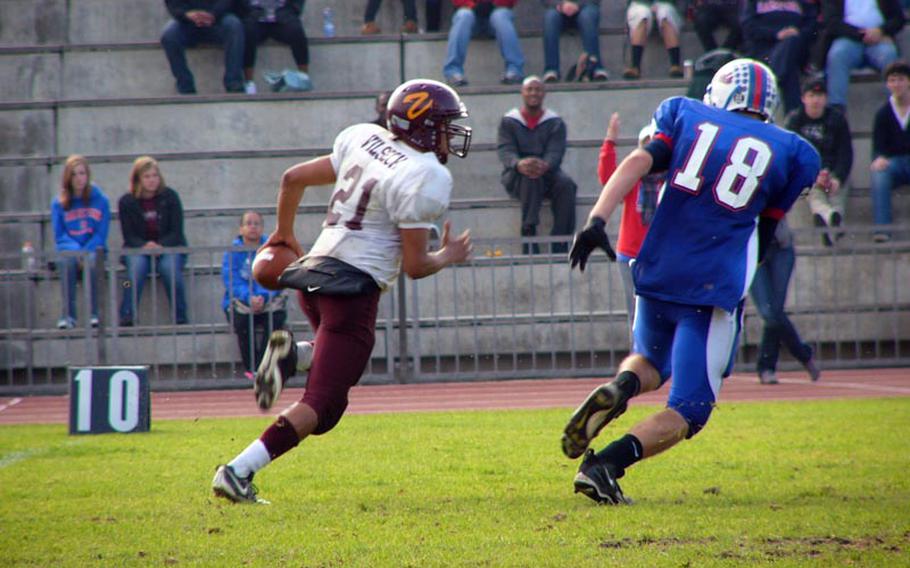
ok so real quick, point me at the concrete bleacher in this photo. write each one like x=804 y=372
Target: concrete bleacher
x=87 y=76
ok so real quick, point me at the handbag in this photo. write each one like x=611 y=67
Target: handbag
x=327 y=275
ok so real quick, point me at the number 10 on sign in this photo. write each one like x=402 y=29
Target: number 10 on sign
x=109 y=399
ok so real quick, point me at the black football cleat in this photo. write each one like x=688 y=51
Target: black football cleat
x=596 y=480
x=605 y=403
x=278 y=365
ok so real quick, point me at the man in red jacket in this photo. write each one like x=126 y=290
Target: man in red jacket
x=637 y=207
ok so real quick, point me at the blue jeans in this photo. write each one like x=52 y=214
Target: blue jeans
x=897 y=173
x=69 y=274
x=587 y=20
x=228 y=32
x=845 y=55
x=170 y=267
x=500 y=24
x=769 y=292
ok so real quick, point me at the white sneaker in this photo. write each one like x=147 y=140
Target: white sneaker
x=767 y=377
x=249 y=88
x=66 y=323
x=279 y=363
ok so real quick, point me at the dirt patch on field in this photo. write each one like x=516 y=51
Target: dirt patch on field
x=659 y=542
x=772 y=548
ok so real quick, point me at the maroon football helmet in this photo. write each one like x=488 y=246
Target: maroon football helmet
x=422 y=111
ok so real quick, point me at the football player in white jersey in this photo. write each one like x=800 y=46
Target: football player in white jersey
x=390 y=188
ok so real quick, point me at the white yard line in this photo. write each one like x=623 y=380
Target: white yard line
x=15 y=457
x=13 y=402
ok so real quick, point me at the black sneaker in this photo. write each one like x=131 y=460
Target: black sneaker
x=597 y=480
x=836 y=221
x=820 y=222
x=229 y=485
x=278 y=365
x=605 y=403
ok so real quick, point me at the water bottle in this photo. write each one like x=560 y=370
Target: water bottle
x=29 y=262
x=328 y=22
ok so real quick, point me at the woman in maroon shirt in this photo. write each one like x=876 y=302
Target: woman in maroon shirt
x=151 y=219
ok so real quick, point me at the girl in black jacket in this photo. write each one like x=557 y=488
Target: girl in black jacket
x=151 y=219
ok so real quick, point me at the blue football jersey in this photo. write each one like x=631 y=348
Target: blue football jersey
x=725 y=170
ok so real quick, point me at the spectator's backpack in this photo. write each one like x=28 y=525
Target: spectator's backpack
x=704 y=69
x=288 y=80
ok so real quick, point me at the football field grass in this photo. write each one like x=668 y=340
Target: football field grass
x=823 y=483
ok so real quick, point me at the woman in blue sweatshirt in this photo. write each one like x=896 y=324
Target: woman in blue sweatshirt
x=254 y=311
x=80 y=216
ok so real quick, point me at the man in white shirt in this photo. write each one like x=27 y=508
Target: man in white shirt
x=861 y=34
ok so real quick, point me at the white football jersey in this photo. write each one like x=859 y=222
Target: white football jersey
x=383 y=185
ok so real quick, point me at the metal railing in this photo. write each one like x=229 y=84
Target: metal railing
x=504 y=314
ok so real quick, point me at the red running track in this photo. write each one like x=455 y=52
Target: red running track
x=543 y=393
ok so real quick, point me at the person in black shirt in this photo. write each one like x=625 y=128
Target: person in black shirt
x=203 y=21
x=891 y=145
x=151 y=220
x=827 y=129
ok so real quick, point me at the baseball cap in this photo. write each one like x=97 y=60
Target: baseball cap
x=815 y=85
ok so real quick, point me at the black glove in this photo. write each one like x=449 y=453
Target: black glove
x=591 y=237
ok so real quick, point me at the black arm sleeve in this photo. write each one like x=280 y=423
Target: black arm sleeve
x=661 y=153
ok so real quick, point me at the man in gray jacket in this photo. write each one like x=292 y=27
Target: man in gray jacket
x=532 y=143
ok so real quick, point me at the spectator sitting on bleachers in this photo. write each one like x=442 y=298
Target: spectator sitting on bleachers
x=382 y=109
x=708 y=15
x=637 y=208
x=253 y=311
x=207 y=21
x=151 y=218
x=858 y=33
x=531 y=146
x=493 y=18
x=827 y=129
x=276 y=19
x=80 y=216
x=891 y=144
x=584 y=15
x=641 y=16
x=370 y=27
x=780 y=34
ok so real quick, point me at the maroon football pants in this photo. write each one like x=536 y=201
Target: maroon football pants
x=345 y=329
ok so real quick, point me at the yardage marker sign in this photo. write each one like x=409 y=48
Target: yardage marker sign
x=109 y=399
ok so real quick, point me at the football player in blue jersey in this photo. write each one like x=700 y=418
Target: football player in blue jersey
x=731 y=176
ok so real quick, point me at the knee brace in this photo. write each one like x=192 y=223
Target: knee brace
x=696 y=414
x=636 y=14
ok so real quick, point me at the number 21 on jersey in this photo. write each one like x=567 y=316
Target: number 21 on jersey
x=342 y=194
x=740 y=176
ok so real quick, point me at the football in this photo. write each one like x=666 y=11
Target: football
x=270 y=262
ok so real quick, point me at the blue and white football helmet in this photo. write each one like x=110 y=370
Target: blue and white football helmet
x=744 y=84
